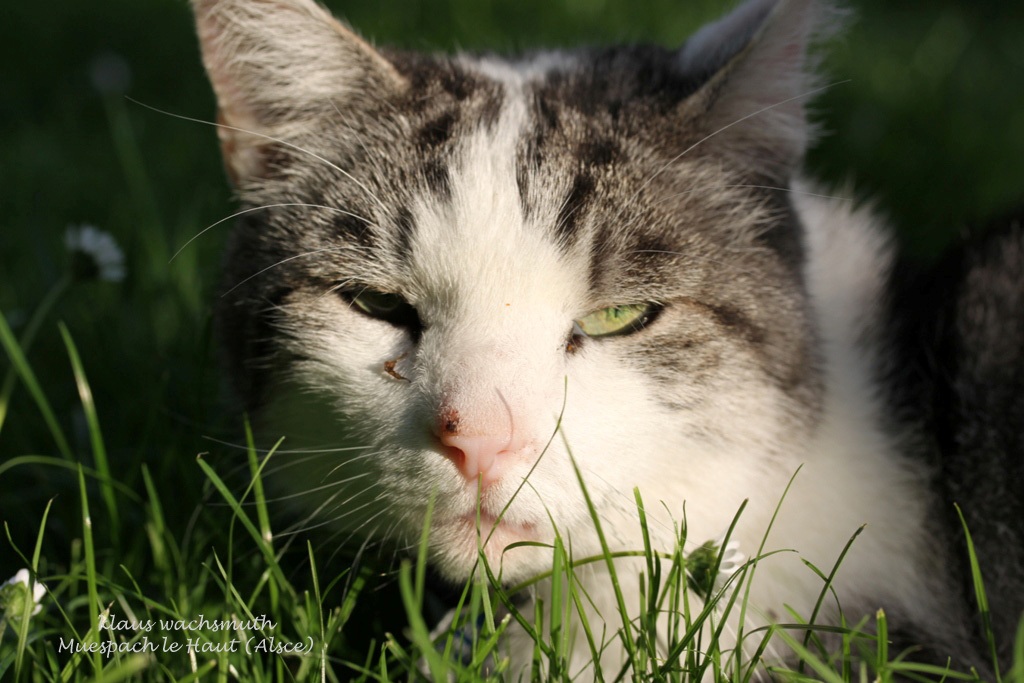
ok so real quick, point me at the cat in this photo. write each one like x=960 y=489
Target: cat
x=452 y=274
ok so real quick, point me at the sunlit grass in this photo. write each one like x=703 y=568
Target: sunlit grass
x=102 y=417
x=142 y=603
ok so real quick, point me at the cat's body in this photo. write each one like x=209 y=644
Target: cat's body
x=458 y=254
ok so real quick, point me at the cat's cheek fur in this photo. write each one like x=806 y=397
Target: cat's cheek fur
x=504 y=199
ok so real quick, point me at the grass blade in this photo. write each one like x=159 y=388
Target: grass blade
x=239 y=514
x=627 y=626
x=1017 y=672
x=28 y=377
x=979 y=594
x=90 y=572
x=29 y=605
x=29 y=336
x=99 y=450
x=157 y=526
x=827 y=586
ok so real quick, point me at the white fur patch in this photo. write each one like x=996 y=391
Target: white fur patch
x=497 y=297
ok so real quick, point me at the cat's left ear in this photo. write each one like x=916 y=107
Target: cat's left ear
x=761 y=74
x=277 y=66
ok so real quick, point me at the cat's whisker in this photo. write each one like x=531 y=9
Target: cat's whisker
x=237 y=469
x=353 y=133
x=270 y=472
x=793 y=190
x=348 y=462
x=288 y=459
x=304 y=526
x=286 y=451
x=322 y=487
x=262 y=207
x=801 y=96
x=336 y=287
x=367 y=543
x=668 y=164
x=271 y=138
x=290 y=463
x=395 y=523
x=314 y=252
x=359 y=531
x=698 y=190
x=352 y=534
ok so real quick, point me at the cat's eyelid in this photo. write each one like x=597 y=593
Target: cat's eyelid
x=386 y=306
x=603 y=322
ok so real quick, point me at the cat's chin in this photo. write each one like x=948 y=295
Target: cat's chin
x=463 y=542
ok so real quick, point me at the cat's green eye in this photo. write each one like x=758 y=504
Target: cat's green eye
x=615 y=320
x=392 y=308
x=377 y=304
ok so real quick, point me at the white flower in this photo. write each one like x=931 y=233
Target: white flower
x=732 y=560
x=95 y=253
x=700 y=563
x=15 y=590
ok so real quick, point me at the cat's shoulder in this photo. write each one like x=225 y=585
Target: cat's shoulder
x=960 y=336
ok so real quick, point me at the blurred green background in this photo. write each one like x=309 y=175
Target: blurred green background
x=927 y=118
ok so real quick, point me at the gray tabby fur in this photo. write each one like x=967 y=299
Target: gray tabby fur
x=505 y=198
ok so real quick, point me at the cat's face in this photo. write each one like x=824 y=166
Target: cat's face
x=457 y=278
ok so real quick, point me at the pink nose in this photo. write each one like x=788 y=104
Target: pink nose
x=476 y=456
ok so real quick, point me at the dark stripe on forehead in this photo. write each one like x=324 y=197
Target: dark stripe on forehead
x=353 y=229
x=528 y=163
x=430 y=78
x=523 y=186
x=575 y=205
x=598 y=152
x=543 y=125
x=639 y=79
x=590 y=157
x=437 y=177
x=548 y=113
x=601 y=253
x=457 y=82
x=437 y=131
x=489 y=107
x=640 y=261
x=443 y=94
x=403 y=229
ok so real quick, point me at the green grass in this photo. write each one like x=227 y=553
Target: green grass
x=115 y=488
x=141 y=603
x=138 y=602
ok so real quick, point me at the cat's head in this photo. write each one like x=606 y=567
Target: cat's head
x=443 y=260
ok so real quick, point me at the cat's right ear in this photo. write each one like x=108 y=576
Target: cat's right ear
x=276 y=66
x=760 y=71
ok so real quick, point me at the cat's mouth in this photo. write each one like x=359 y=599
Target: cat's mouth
x=463 y=541
x=494 y=534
